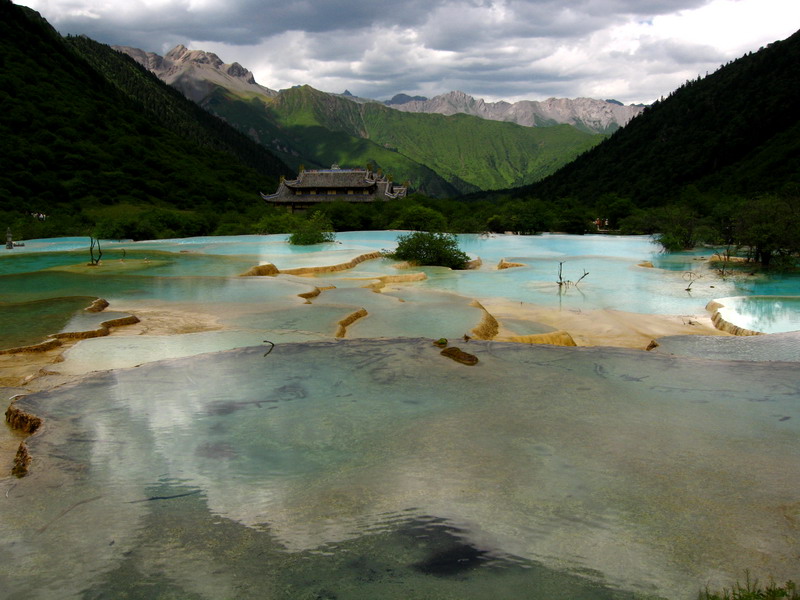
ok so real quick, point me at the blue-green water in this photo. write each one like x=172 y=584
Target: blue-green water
x=374 y=467
x=205 y=270
x=380 y=469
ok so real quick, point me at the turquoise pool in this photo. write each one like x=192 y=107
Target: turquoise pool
x=217 y=464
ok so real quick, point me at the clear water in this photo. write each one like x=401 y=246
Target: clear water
x=614 y=278
x=21 y=328
x=775 y=347
x=767 y=314
x=380 y=469
x=373 y=467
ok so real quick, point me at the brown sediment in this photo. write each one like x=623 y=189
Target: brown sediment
x=720 y=323
x=22 y=461
x=315 y=292
x=475 y=263
x=103 y=330
x=270 y=269
x=504 y=264
x=44 y=346
x=19 y=420
x=488 y=328
x=646 y=264
x=26 y=424
x=98 y=305
x=721 y=258
x=349 y=320
x=458 y=355
x=312 y=294
x=554 y=338
x=267 y=269
x=384 y=280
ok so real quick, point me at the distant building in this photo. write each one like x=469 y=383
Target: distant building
x=332 y=185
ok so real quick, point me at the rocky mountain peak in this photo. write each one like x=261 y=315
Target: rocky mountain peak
x=596 y=116
x=181 y=53
x=197 y=72
x=237 y=70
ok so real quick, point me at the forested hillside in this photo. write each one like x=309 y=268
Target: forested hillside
x=718 y=161
x=736 y=131
x=104 y=143
x=439 y=155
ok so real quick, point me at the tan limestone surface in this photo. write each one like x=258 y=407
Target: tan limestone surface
x=601 y=327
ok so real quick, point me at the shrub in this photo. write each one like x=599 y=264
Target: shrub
x=751 y=590
x=423 y=248
x=316 y=229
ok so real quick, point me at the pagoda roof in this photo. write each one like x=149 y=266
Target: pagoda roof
x=332 y=178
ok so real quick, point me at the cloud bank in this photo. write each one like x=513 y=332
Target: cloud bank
x=630 y=50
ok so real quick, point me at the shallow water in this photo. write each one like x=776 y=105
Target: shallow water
x=375 y=468
x=767 y=314
x=27 y=323
x=335 y=470
x=614 y=278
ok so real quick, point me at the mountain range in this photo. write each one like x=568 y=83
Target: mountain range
x=592 y=116
x=450 y=145
x=196 y=72
x=89 y=136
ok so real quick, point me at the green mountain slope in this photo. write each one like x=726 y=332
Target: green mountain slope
x=79 y=147
x=292 y=130
x=736 y=131
x=467 y=152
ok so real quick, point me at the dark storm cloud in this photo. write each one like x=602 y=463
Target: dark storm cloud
x=494 y=48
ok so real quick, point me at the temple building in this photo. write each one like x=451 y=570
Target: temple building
x=331 y=185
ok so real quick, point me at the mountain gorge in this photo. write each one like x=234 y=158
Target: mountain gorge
x=438 y=154
x=89 y=136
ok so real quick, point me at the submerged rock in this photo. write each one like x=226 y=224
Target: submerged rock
x=22 y=461
x=458 y=355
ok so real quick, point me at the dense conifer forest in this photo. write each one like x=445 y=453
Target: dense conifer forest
x=112 y=151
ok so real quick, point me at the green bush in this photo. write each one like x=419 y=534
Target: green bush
x=420 y=218
x=751 y=590
x=316 y=229
x=437 y=249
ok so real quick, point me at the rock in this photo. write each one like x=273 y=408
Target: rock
x=459 y=355
x=22 y=421
x=22 y=461
x=504 y=264
x=267 y=269
x=554 y=338
x=98 y=305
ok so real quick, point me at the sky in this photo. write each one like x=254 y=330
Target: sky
x=634 y=51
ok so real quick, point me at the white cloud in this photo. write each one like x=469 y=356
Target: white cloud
x=632 y=50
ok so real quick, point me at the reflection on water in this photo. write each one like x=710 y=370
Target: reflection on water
x=376 y=468
x=767 y=314
x=335 y=469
